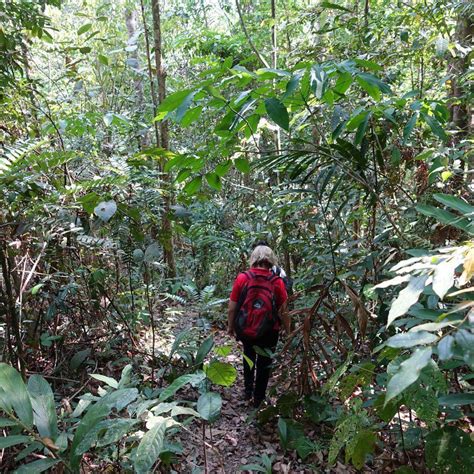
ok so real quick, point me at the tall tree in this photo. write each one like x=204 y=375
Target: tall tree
x=167 y=230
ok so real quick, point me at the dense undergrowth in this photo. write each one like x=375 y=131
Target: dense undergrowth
x=128 y=208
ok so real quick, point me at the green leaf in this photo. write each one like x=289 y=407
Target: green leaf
x=446 y=217
x=8 y=441
x=172 y=102
x=209 y=406
x=277 y=112
x=107 y=380
x=7 y=422
x=457 y=399
x=449 y=450
x=13 y=394
x=242 y=165
x=343 y=83
x=408 y=129
x=84 y=28
x=411 y=339
x=361 y=129
x=150 y=448
x=116 y=431
x=204 y=349
x=283 y=433
x=221 y=373
x=191 y=116
x=193 y=186
x=103 y=59
x=408 y=372
x=184 y=106
x=214 y=181
x=44 y=409
x=368 y=64
x=435 y=126
x=180 y=382
x=386 y=411
x=360 y=447
x=223 y=168
x=445 y=347
x=37 y=466
x=407 y=298
x=455 y=203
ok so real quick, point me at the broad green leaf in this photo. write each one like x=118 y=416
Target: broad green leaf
x=191 y=116
x=398 y=280
x=84 y=28
x=223 y=351
x=449 y=450
x=193 y=186
x=180 y=382
x=343 y=83
x=456 y=399
x=184 y=106
x=221 y=373
x=443 y=276
x=7 y=422
x=408 y=129
x=223 y=168
x=150 y=448
x=435 y=326
x=242 y=165
x=411 y=339
x=103 y=59
x=13 y=394
x=455 y=203
x=116 y=431
x=8 y=441
x=204 y=349
x=209 y=406
x=446 y=217
x=177 y=410
x=360 y=447
x=125 y=376
x=36 y=467
x=44 y=408
x=435 y=126
x=407 y=298
x=386 y=411
x=361 y=130
x=445 y=347
x=172 y=102
x=277 y=112
x=334 y=6
x=111 y=382
x=214 y=181
x=408 y=372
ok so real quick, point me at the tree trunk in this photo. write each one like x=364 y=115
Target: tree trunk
x=166 y=229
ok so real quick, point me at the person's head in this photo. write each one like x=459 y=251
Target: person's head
x=263 y=256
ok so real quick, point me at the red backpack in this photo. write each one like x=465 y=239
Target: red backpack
x=257 y=312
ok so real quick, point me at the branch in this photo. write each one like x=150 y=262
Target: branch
x=246 y=33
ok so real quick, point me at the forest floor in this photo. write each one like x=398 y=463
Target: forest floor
x=237 y=438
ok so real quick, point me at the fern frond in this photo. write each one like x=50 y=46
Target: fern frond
x=12 y=155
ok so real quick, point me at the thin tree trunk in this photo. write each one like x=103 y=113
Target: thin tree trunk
x=166 y=229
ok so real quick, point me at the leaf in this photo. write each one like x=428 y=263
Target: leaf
x=283 y=433
x=209 y=406
x=277 y=112
x=13 y=394
x=445 y=347
x=214 y=181
x=443 y=276
x=193 y=186
x=153 y=253
x=408 y=372
x=37 y=466
x=177 y=410
x=449 y=450
x=386 y=411
x=8 y=441
x=116 y=431
x=171 y=102
x=363 y=445
x=223 y=168
x=398 y=280
x=44 y=408
x=411 y=339
x=150 y=448
x=343 y=83
x=457 y=399
x=242 y=165
x=7 y=422
x=407 y=298
x=103 y=59
x=184 y=106
x=435 y=126
x=333 y=6
x=204 y=349
x=107 y=380
x=408 y=129
x=180 y=382
x=455 y=203
x=221 y=373
x=105 y=210
x=78 y=358
x=446 y=217
x=84 y=28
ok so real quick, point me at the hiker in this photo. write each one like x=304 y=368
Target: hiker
x=257 y=309
x=276 y=270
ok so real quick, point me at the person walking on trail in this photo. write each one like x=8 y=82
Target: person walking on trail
x=257 y=310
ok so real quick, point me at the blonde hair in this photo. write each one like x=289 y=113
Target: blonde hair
x=263 y=255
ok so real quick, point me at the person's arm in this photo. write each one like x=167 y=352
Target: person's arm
x=230 y=317
x=285 y=318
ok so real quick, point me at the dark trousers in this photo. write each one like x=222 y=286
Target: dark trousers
x=261 y=365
